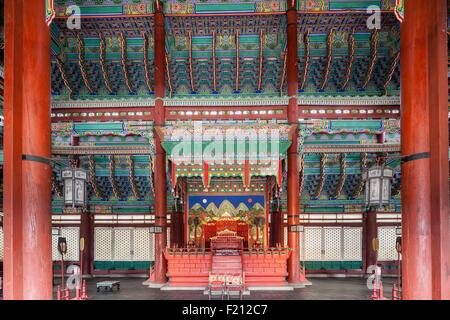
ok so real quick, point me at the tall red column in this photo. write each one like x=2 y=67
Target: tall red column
x=27 y=171
x=425 y=150
x=371 y=233
x=176 y=230
x=160 y=268
x=274 y=229
x=86 y=232
x=293 y=197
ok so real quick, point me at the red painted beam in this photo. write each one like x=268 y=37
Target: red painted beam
x=108 y=114
x=349 y=112
x=199 y=113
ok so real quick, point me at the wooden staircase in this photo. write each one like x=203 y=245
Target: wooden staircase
x=231 y=264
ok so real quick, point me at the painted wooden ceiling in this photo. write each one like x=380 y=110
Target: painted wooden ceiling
x=338 y=54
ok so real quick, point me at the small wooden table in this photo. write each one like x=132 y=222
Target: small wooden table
x=105 y=286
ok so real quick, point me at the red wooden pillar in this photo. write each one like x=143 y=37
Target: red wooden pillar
x=176 y=230
x=27 y=171
x=160 y=268
x=425 y=150
x=274 y=228
x=86 y=232
x=280 y=236
x=371 y=233
x=293 y=198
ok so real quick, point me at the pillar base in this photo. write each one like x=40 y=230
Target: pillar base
x=153 y=285
x=300 y=284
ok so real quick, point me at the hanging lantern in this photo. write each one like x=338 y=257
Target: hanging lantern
x=378 y=181
x=75 y=189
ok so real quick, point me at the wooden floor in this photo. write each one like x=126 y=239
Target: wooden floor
x=321 y=289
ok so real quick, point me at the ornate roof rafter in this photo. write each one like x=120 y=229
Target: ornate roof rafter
x=261 y=58
x=123 y=46
x=145 y=60
x=103 y=65
x=329 y=59
x=191 y=73
x=64 y=76
x=236 y=89
x=169 y=78
x=307 y=59
x=351 y=58
x=283 y=75
x=391 y=72
x=214 y=62
x=82 y=65
x=373 y=57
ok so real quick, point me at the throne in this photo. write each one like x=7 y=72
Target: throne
x=227 y=242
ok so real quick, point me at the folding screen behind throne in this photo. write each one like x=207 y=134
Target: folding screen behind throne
x=244 y=214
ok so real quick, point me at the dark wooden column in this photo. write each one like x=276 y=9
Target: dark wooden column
x=424 y=117
x=293 y=190
x=176 y=231
x=274 y=228
x=86 y=232
x=160 y=268
x=370 y=234
x=27 y=171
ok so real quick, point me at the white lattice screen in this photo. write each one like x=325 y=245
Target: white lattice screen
x=387 y=239
x=312 y=244
x=331 y=244
x=72 y=235
x=352 y=238
x=123 y=244
x=1 y=243
x=143 y=245
x=103 y=244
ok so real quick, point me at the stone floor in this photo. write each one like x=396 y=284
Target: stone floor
x=321 y=289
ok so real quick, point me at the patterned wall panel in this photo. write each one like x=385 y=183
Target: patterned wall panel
x=122 y=243
x=72 y=236
x=387 y=238
x=312 y=244
x=332 y=244
x=352 y=245
x=143 y=245
x=103 y=244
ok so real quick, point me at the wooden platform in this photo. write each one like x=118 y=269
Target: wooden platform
x=191 y=268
